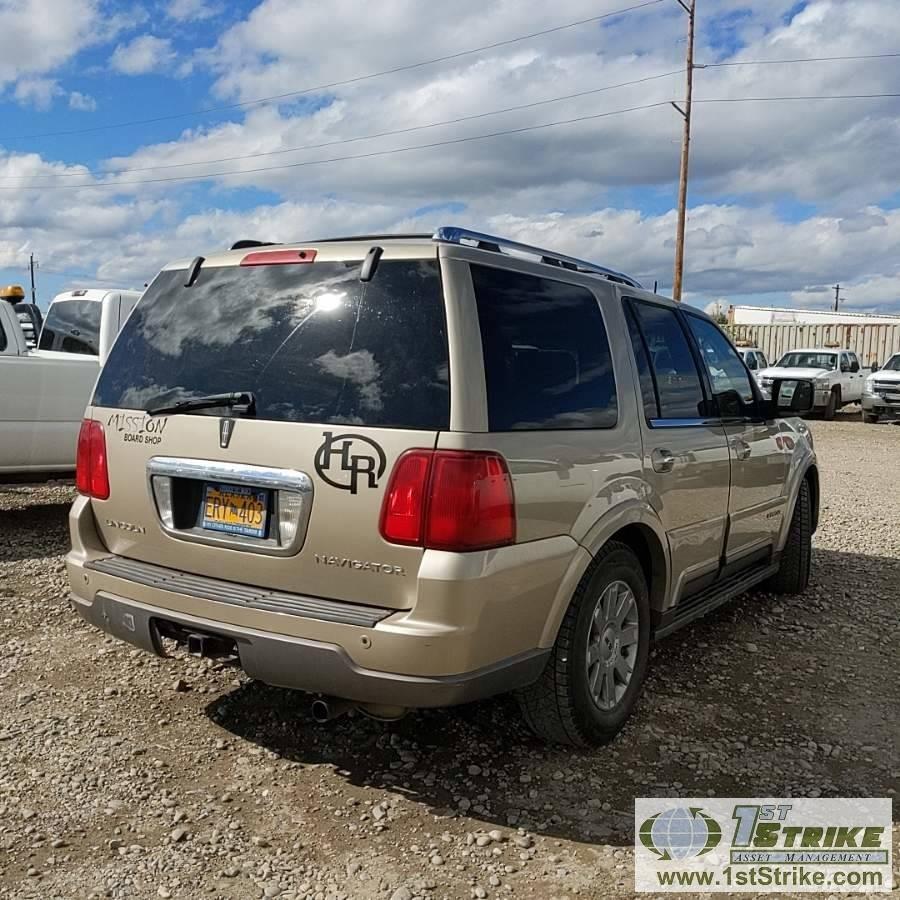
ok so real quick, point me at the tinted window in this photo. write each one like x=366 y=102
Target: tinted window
x=645 y=376
x=674 y=371
x=312 y=342
x=3 y=342
x=763 y=362
x=750 y=359
x=72 y=326
x=546 y=355
x=730 y=381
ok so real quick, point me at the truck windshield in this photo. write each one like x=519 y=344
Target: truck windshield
x=808 y=361
x=893 y=364
x=310 y=342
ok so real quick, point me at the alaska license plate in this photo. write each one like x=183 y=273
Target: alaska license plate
x=235 y=509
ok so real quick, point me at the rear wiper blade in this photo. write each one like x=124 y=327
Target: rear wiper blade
x=242 y=403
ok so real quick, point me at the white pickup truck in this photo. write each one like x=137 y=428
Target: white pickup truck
x=881 y=394
x=43 y=392
x=837 y=374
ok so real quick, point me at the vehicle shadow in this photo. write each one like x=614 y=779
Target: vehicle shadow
x=732 y=707
x=35 y=532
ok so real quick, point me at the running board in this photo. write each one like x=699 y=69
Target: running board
x=708 y=599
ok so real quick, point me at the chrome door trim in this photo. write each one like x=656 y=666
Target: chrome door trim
x=683 y=423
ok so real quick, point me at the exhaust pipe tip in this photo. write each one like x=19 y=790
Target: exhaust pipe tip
x=324 y=709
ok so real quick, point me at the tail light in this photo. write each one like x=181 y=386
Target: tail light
x=450 y=500
x=91 y=472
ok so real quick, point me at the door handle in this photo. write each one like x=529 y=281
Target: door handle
x=662 y=460
x=742 y=449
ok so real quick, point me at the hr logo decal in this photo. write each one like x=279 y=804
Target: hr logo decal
x=344 y=460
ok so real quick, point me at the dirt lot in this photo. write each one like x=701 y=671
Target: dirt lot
x=126 y=776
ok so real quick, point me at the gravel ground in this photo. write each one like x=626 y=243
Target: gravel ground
x=126 y=776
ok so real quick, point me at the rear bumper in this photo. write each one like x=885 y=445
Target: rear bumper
x=476 y=626
x=309 y=665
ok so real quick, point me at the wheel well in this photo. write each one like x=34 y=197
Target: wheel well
x=646 y=546
x=812 y=476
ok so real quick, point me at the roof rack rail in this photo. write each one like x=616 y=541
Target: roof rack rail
x=245 y=244
x=453 y=235
x=422 y=236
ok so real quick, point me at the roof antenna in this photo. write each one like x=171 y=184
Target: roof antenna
x=194 y=271
x=370 y=264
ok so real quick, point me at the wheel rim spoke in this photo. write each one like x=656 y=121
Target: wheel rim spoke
x=629 y=635
x=613 y=638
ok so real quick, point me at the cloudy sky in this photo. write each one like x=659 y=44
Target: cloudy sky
x=110 y=111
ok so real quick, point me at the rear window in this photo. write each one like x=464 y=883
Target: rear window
x=547 y=361
x=312 y=342
x=72 y=326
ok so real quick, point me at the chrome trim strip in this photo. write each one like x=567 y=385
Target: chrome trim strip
x=684 y=423
x=280 y=481
x=244 y=596
x=232 y=473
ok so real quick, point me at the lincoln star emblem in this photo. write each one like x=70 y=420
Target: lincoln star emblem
x=226 y=429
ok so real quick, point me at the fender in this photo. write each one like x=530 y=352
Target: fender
x=630 y=512
x=802 y=460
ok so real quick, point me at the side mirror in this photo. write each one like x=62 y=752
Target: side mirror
x=854 y=367
x=875 y=367
x=792 y=397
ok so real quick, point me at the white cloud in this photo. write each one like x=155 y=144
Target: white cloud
x=556 y=186
x=37 y=92
x=37 y=36
x=190 y=10
x=144 y=54
x=82 y=102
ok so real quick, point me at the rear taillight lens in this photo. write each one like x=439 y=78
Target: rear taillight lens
x=91 y=472
x=450 y=500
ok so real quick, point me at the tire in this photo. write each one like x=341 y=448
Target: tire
x=559 y=707
x=870 y=418
x=831 y=407
x=793 y=574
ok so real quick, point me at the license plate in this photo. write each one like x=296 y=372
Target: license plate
x=235 y=509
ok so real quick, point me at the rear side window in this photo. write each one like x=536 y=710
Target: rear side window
x=547 y=360
x=671 y=361
x=311 y=342
x=72 y=326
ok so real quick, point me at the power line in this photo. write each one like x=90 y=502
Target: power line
x=350 y=140
x=319 y=162
x=462 y=140
x=801 y=59
x=797 y=97
x=346 y=81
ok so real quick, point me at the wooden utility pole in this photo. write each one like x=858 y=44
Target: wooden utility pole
x=32 y=265
x=837 y=298
x=689 y=8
